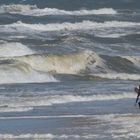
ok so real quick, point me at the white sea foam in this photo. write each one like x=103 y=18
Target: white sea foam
x=46 y=136
x=54 y=11
x=66 y=26
x=122 y=76
x=112 y=35
x=16 y=72
x=33 y=10
x=16 y=8
x=14 y=49
x=128 y=125
x=14 y=75
x=111 y=29
x=25 y=102
x=14 y=109
x=47 y=117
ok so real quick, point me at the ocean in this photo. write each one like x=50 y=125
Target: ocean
x=68 y=69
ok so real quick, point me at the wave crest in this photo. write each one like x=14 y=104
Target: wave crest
x=66 y=26
x=33 y=10
x=16 y=72
x=16 y=8
x=54 y=11
x=17 y=48
x=70 y=63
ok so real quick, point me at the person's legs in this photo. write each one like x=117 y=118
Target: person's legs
x=139 y=104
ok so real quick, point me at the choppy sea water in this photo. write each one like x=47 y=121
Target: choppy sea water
x=68 y=69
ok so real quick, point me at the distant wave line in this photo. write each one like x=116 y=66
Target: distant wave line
x=33 y=10
x=62 y=116
x=66 y=26
x=67 y=116
x=45 y=117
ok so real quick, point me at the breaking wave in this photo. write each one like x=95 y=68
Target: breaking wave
x=123 y=68
x=18 y=49
x=12 y=71
x=40 y=67
x=99 y=28
x=16 y=72
x=33 y=10
x=69 y=63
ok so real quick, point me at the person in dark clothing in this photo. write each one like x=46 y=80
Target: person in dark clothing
x=137 y=90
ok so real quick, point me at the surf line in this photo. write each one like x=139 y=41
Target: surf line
x=69 y=116
x=46 y=117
